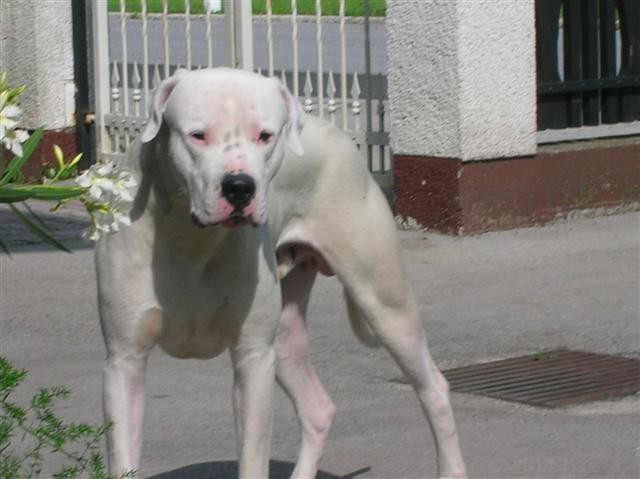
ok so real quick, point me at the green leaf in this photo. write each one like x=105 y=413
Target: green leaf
x=16 y=164
x=13 y=195
x=38 y=230
x=56 y=193
x=17 y=193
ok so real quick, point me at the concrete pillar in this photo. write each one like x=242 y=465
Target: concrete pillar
x=462 y=78
x=36 y=51
x=462 y=88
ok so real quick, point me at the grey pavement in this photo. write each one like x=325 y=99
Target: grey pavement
x=573 y=284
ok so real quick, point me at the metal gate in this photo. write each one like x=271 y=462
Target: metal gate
x=134 y=52
x=588 y=68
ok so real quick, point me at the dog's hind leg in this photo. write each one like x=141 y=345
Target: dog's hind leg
x=364 y=252
x=296 y=375
x=400 y=331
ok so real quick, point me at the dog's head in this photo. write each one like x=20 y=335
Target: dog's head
x=227 y=131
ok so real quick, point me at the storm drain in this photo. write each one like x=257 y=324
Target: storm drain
x=550 y=379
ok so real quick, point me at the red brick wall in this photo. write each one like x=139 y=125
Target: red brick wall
x=466 y=197
x=65 y=139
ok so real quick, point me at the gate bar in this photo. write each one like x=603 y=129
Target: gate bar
x=125 y=71
x=165 y=36
x=343 y=65
x=239 y=30
x=100 y=24
x=294 y=40
x=319 y=77
x=367 y=67
x=145 y=55
x=81 y=74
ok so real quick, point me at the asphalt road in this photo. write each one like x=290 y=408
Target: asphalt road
x=283 y=45
x=574 y=284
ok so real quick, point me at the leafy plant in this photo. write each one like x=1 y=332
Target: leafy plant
x=103 y=189
x=35 y=430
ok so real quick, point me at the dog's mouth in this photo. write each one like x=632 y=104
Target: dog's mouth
x=196 y=221
x=234 y=220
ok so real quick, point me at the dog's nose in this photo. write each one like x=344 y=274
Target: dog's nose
x=238 y=189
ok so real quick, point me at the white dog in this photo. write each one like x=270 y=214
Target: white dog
x=238 y=208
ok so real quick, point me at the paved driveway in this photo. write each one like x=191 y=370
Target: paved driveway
x=573 y=284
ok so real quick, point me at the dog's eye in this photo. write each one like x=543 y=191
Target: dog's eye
x=265 y=137
x=197 y=135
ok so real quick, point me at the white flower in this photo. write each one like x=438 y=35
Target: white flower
x=94 y=231
x=103 y=169
x=10 y=115
x=83 y=179
x=109 y=198
x=13 y=139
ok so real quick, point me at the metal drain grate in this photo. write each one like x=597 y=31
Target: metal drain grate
x=550 y=379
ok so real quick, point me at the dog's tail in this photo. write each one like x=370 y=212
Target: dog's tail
x=359 y=324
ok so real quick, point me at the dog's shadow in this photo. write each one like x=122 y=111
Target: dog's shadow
x=229 y=470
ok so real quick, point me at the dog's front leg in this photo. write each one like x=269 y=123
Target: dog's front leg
x=254 y=375
x=124 y=408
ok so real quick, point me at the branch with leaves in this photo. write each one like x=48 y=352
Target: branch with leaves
x=103 y=189
x=36 y=431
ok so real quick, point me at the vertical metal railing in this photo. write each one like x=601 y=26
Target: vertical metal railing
x=100 y=25
x=608 y=59
x=270 y=37
x=294 y=39
x=145 y=54
x=239 y=28
x=320 y=71
x=584 y=87
x=208 y=37
x=343 y=64
x=367 y=69
x=165 y=36
x=84 y=125
x=125 y=71
x=187 y=32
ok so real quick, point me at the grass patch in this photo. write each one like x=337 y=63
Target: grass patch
x=353 y=8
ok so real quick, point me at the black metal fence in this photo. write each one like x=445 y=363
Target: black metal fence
x=594 y=78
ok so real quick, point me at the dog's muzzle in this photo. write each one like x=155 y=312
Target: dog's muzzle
x=238 y=190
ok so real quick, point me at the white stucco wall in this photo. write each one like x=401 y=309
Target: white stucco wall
x=462 y=78
x=36 y=50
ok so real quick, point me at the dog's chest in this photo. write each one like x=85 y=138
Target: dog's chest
x=201 y=312
x=196 y=333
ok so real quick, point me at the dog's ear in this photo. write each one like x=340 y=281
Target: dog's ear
x=160 y=97
x=295 y=121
